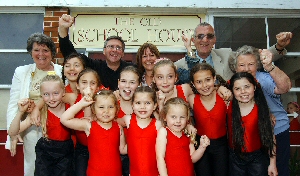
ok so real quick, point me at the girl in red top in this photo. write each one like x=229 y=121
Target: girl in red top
x=210 y=120
x=72 y=66
x=142 y=132
x=105 y=137
x=54 y=151
x=175 y=152
x=127 y=84
x=164 y=78
x=250 y=129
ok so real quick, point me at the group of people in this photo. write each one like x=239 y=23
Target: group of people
x=210 y=113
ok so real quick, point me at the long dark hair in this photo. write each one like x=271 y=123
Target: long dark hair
x=264 y=120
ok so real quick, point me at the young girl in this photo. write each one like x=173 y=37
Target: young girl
x=54 y=151
x=105 y=137
x=142 y=132
x=164 y=79
x=72 y=66
x=88 y=81
x=294 y=126
x=210 y=119
x=127 y=84
x=251 y=137
x=175 y=152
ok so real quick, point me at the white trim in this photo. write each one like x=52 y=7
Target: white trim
x=13 y=51
x=5 y=86
x=295 y=89
x=5 y=9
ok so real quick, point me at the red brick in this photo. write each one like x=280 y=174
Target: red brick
x=47 y=33
x=51 y=18
x=54 y=24
x=54 y=34
x=47 y=23
x=50 y=29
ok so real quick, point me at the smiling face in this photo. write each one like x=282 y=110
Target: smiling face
x=72 y=68
x=165 y=78
x=143 y=105
x=205 y=45
x=52 y=93
x=127 y=84
x=176 y=117
x=243 y=90
x=148 y=59
x=291 y=108
x=105 y=109
x=88 y=79
x=247 y=63
x=204 y=82
x=42 y=56
x=112 y=54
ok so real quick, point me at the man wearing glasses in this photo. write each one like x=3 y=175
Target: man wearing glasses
x=114 y=46
x=204 y=40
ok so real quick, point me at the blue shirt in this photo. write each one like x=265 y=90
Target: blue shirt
x=276 y=108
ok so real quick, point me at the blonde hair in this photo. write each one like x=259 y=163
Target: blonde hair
x=105 y=93
x=163 y=62
x=44 y=111
x=166 y=108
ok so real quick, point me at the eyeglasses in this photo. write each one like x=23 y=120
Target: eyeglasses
x=118 y=48
x=208 y=36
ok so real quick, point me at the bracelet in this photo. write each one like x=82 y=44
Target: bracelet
x=191 y=54
x=278 y=49
x=273 y=66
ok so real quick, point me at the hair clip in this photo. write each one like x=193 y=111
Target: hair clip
x=160 y=59
x=51 y=73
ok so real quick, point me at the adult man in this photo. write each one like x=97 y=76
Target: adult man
x=204 y=39
x=114 y=46
x=274 y=82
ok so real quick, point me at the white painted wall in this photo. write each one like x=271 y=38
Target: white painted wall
x=268 y=4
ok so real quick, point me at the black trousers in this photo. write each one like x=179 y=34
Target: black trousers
x=214 y=161
x=250 y=164
x=81 y=158
x=53 y=158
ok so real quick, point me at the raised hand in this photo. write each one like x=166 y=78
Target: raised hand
x=283 y=39
x=66 y=21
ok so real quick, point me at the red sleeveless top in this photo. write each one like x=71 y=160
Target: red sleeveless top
x=68 y=89
x=250 y=125
x=178 y=159
x=121 y=114
x=295 y=135
x=180 y=92
x=210 y=123
x=55 y=130
x=104 y=150
x=80 y=135
x=141 y=148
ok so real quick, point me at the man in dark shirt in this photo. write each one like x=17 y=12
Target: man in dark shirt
x=114 y=46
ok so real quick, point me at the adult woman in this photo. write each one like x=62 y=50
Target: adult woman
x=274 y=82
x=145 y=59
x=26 y=84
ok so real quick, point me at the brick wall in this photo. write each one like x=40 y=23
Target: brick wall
x=51 y=18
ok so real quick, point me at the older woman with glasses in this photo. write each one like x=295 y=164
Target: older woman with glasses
x=26 y=84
